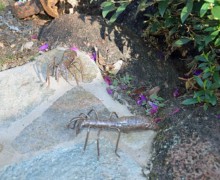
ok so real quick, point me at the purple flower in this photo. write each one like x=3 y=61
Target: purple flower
x=157 y=120
x=142 y=98
x=34 y=36
x=93 y=56
x=139 y=102
x=153 y=111
x=154 y=108
x=44 y=47
x=74 y=48
x=176 y=93
x=218 y=116
x=197 y=72
x=108 y=80
x=109 y=90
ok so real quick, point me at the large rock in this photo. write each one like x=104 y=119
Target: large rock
x=36 y=143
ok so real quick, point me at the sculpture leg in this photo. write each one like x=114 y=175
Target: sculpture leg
x=98 y=142
x=116 y=148
x=87 y=137
x=92 y=110
x=113 y=113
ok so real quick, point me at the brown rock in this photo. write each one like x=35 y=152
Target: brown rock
x=23 y=10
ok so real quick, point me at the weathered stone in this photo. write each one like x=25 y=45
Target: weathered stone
x=23 y=10
x=70 y=163
x=29 y=89
x=51 y=127
x=90 y=69
x=35 y=142
x=20 y=92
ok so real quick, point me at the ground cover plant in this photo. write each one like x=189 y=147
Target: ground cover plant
x=190 y=27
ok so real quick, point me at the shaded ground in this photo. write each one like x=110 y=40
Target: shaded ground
x=187 y=146
x=188 y=143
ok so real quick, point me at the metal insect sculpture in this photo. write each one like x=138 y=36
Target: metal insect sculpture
x=69 y=65
x=122 y=124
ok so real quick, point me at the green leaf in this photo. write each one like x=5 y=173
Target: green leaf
x=190 y=101
x=208 y=29
x=201 y=47
x=181 y=42
x=201 y=58
x=215 y=86
x=204 y=9
x=162 y=6
x=115 y=82
x=210 y=1
x=106 y=3
x=206 y=75
x=119 y=10
x=155 y=97
x=143 y=5
x=217 y=42
x=203 y=65
x=172 y=31
x=199 y=81
x=216 y=77
x=107 y=7
x=198 y=26
x=216 y=12
x=207 y=84
x=199 y=93
x=186 y=10
x=211 y=37
x=212 y=99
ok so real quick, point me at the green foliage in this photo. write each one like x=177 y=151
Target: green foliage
x=157 y=100
x=208 y=81
x=127 y=79
x=192 y=23
x=113 y=6
x=2 y=6
x=186 y=11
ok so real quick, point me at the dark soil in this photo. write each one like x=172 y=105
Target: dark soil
x=18 y=38
x=187 y=145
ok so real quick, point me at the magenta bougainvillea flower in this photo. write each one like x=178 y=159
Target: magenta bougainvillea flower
x=176 y=92
x=139 y=102
x=109 y=90
x=74 y=48
x=154 y=108
x=108 y=80
x=94 y=56
x=44 y=47
x=34 y=36
x=142 y=98
x=153 y=111
x=158 y=119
